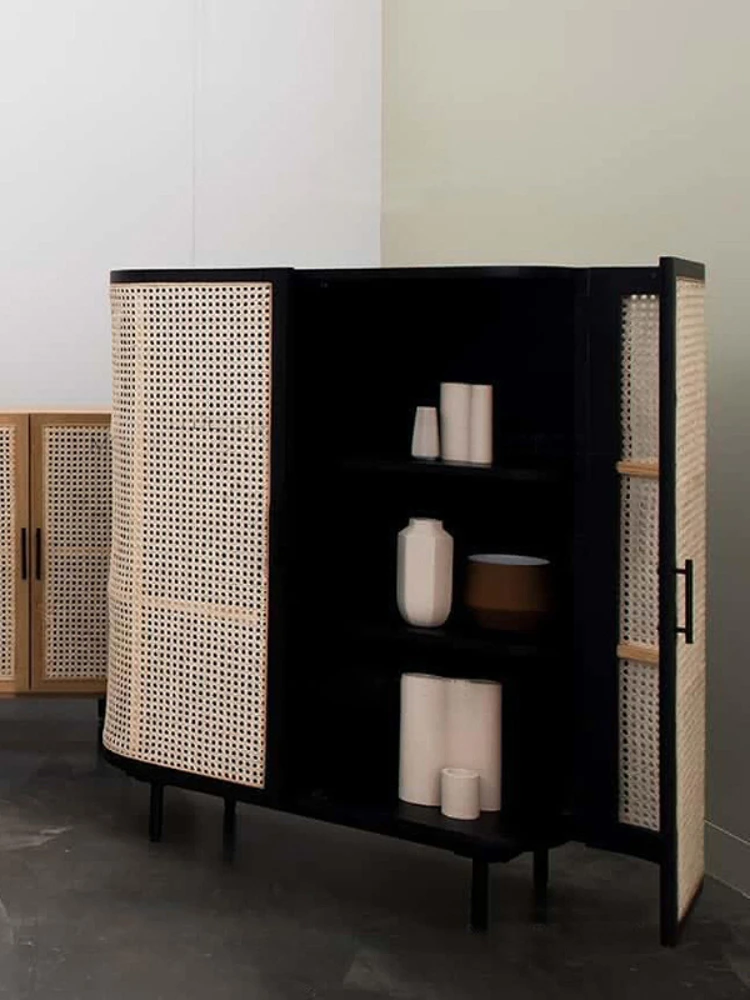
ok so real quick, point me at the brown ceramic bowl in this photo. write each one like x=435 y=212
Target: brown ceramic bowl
x=509 y=592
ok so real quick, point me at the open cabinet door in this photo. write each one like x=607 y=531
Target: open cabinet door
x=617 y=586
x=642 y=662
x=682 y=588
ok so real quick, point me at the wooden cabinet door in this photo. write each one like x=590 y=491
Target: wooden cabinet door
x=14 y=553
x=70 y=545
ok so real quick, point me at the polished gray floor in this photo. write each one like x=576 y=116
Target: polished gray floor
x=90 y=909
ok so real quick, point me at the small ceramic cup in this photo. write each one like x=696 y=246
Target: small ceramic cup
x=459 y=793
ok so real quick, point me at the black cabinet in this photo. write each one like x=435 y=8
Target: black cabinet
x=261 y=433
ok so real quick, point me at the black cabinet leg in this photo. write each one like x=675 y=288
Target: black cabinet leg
x=230 y=827
x=156 y=812
x=541 y=881
x=101 y=708
x=480 y=902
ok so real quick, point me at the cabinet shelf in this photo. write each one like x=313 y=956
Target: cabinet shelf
x=492 y=836
x=639 y=652
x=531 y=473
x=504 y=647
x=639 y=470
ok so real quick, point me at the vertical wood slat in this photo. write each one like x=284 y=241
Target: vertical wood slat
x=690 y=496
x=682 y=538
x=14 y=518
x=638 y=648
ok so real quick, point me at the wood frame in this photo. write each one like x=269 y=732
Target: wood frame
x=39 y=683
x=21 y=682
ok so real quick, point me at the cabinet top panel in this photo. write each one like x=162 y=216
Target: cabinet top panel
x=507 y=272
x=103 y=411
x=198 y=275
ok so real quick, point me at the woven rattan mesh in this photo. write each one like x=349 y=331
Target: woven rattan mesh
x=691 y=544
x=8 y=551
x=639 y=744
x=189 y=575
x=639 y=401
x=77 y=530
x=639 y=561
x=639 y=564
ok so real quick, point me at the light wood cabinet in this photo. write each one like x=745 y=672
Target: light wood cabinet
x=55 y=517
x=14 y=531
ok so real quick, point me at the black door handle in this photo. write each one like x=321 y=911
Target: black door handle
x=688 y=571
x=24 y=555
x=38 y=554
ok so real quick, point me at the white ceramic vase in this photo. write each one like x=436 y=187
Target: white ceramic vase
x=480 y=433
x=425 y=572
x=455 y=421
x=425 y=442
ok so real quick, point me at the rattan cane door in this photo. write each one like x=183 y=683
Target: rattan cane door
x=198 y=369
x=657 y=693
x=70 y=549
x=682 y=543
x=14 y=525
x=638 y=620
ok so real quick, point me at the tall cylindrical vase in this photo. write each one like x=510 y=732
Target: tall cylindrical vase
x=422 y=743
x=480 y=444
x=455 y=421
x=425 y=572
x=474 y=735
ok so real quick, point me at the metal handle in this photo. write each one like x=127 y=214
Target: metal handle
x=38 y=554
x=24 y=555
x=688 y=628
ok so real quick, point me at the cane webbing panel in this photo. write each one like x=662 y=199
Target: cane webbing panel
x=191 y=431
x=691 y=544
x=639 y=744
x=8 y=551
x=77 y=517
x=639 y=400
x=639 y=561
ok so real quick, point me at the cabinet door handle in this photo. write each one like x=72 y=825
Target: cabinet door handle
x=24 y=555
x=38 y=554
x=688 y=571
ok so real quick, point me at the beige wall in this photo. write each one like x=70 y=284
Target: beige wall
x=599 y=131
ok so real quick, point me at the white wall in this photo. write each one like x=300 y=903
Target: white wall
x=599 y=131
x=162 y=133
x=288 y=163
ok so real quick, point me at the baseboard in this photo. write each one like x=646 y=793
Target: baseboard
x=728 y=858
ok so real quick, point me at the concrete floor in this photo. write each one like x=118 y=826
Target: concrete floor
x=90 y=909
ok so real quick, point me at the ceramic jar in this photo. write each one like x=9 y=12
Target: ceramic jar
x=509 y=592
x=425 y=572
